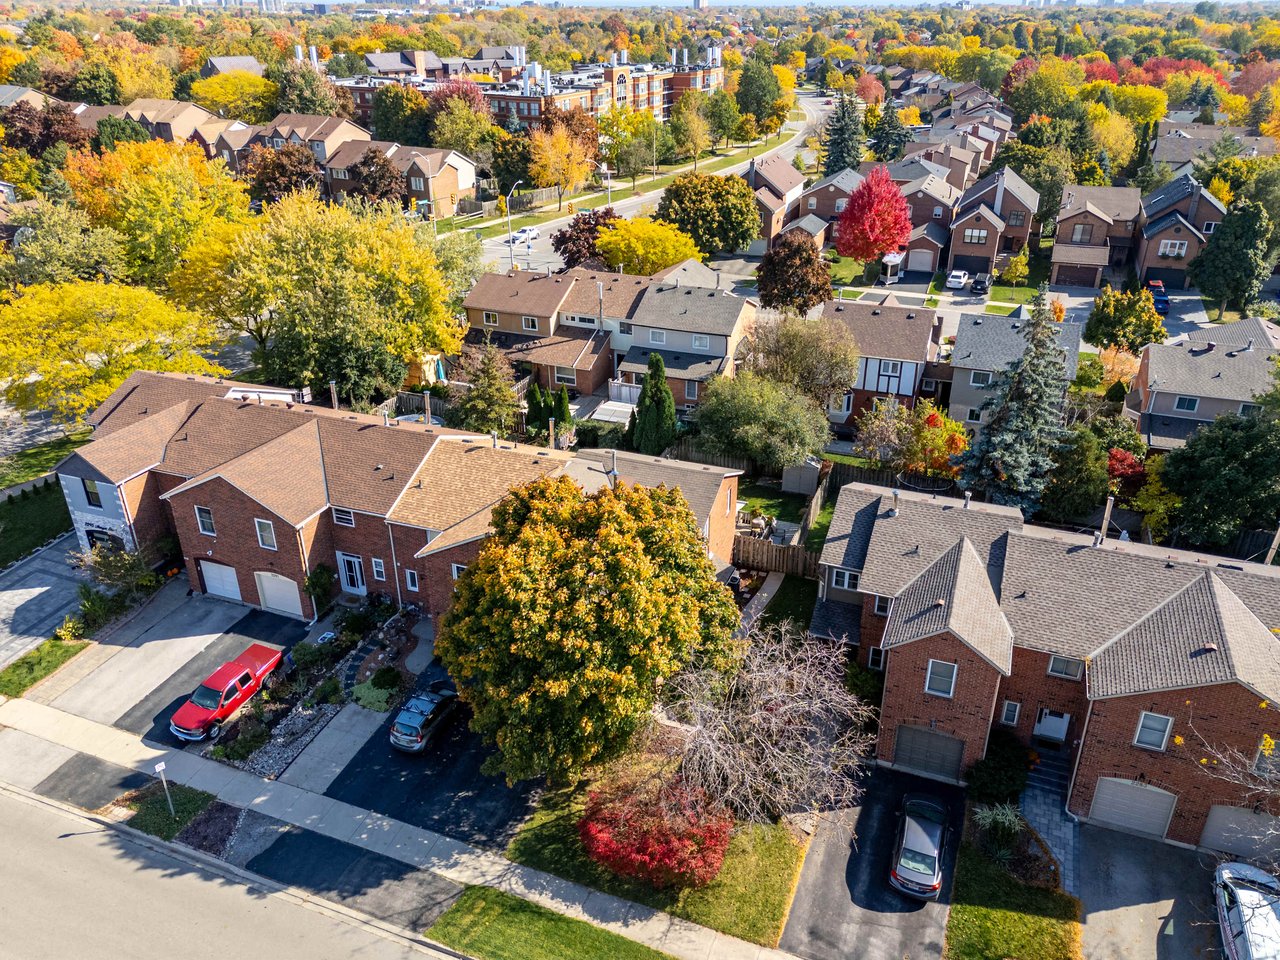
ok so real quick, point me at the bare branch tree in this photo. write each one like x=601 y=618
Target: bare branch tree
x=781 y=734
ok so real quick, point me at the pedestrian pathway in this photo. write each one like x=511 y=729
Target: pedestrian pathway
x=420 y=848
x=325 y=757
x=1044 y=805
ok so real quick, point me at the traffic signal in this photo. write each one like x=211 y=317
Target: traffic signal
x=453 y=199
x=571 y=209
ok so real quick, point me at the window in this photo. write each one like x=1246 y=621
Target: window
x=1082 y=233
x=339 y=173
x=379 y=569
x=566 y=376
x=529 y=323
x=1066 y=667
x=842 y=579
x=266 y=534
x=891 y=368
x=411 y=580
x=974 y=415
x=882 y=606
x=1153 y=731
x=941 y=679
x=980 y=378
x=91 y=493
x=417 y=183
x=841 y=204
x=937 y=213
x=204 y=520
x=1173 y=248
x=343 y=518
x=624 y=328
x=657 y=336
x=456 y=569
x=691 y=389
x=490 y=318
x=1209 y=227
x=928 y=385
x=1009 y=713
x=1017 y=218
x=1249 y=409
x=1186 y=404
x=701 y=341
x=875 y=658
x=975 y=236
x=812 y=203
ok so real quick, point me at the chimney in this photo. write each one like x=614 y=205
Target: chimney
x=315 y=57
x=673 y=56
x=551 y=432
x=685 y=53
x=1106 y=522
x=297 y=52
x=896 y=495
x=613 y=59
x=1248 y=347
x=333 y=393
x=386 y=419
x=968 y=497
x=626 y=56
x=613 y=469
x=600 y=294
x=494 y=435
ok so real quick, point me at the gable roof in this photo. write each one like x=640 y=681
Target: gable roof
x=885 y=330
x=698 y=482
x=985 y=342
x=846 y=181
x=1172 y=218
x=1014 y=184
x=519 y=291
x=1218 y=362
x=227 y=64
x=1107 y=203
x=117 y=455
x=692 y=309
x=778 y=174
x=621 y=293
x=1176 y=190
x=693 y=272
x=932 y=185
x=145 y=393
x=813 y=225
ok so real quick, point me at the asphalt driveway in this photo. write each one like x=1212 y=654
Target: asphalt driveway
x=35 y=596
x=844 y=906
x=441 y=789
x=1145 y=900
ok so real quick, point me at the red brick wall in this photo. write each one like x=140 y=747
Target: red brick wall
x=824 y=205
x=872 y=629
x=437 y=575
x=408 y=541
x=1031 y=686
x=721 y=524
x=967 y=714
x=151 y=516
x=1226 y=715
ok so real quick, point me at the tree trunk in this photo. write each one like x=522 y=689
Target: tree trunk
x=1222 y=308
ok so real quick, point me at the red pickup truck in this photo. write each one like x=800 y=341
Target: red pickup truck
x=225 y=691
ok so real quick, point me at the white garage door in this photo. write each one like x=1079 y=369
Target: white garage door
x=278 y=593
x=1240 y=831
x=220 y=580
x=924 y=751
x=920 y=260
x=1132 y=806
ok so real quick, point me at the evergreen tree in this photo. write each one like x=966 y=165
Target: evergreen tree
x=1011 y=459
x=655 y=410
x=890 y=136
x=846 y=138
x=563 y=415
x=491 y=402
x=535 y=418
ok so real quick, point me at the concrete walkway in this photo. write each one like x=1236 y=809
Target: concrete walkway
x=424 y=849
x=1045 y=810
x=36 y=593
x=325 y=757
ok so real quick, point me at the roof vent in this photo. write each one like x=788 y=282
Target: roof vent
x=377 y=467
x=977 y=322
x=876 y=312
x=1210 y=646
x=940 y=602
x=911 y=316
x=1209 y=345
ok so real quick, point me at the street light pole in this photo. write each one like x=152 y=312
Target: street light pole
x=511 y=240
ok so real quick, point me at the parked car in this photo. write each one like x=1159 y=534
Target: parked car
x=981 y=285
x=828 y=102
x=957 y=279
x=1248 y=901
x=525 y=235
x=421 y=718
x=917 y=857
x=224 y=692
x=1159 y=295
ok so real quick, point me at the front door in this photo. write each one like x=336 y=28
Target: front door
x=352 y=572
x=1051 y=725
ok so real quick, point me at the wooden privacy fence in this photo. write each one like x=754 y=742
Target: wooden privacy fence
x=842 y=473
x=753 y=554
x=686 y=449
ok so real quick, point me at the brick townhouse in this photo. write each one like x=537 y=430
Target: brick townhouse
x=1121 y=659
x=995 y=219
x=259 y=491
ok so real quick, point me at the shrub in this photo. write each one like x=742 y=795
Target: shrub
x=386 y=678
x=253 y=734
x=329 y=690
x=320 y=583
x=1001 y=775
x=371 y=698
x=1117 y=392
x=670 y=836
x=308 y=656
x=72 y=630
x=866 y=685
x=1089 y=371
x=98 y=608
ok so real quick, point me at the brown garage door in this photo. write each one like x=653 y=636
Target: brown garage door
x=1078 y=276
x=925 y=751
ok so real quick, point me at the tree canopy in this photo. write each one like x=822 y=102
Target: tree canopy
x=748 y=415
x=792 y=274
x=719 y=213
x=1232 y=267
x=576 y=240
x=1125 y=320
x=875 y=221
x=655 y=424
x=643 y=246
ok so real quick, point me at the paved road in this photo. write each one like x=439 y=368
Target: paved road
x=539 y=255
x=844 y=906
x=35 y=596
x=74 y=890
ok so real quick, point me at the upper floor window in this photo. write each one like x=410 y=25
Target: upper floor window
x=842 y=579
x=204 y=520
x=343 y=518
x=1017 y=218
x=529 y=323
x=657 y=336
x=417 y=184
x=875 y=658
x=691 y=389
x=266 y=534
x=1186 y=404
x=624 y=328
x=980 y=378
x=1209 y=227
x=812 y=203
x=456 y=569
x=841 y=204
x=91 y=493
x=891 y=368
x=940 y=679
x=1173 y=248
x=1066 y=667
x=1082 y=233
x=1153 y=731
x=701 y=341
x=975 y=236
x=1249 y=409
x=882 y=606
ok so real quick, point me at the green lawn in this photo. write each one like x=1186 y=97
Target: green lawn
x=773 y=502
x=938 y=284
x=1038 y=269
x=27 y=523
x=848 y=458
x=998 y=310
x=931 y=302
x=750 y=898
x=1228 y=316
x=38 y=460
x=794 y=601
x=994 y=916
x=817 y=535
x=490 y=925
x=33 y=666
x=845 y=271
x=151 y=810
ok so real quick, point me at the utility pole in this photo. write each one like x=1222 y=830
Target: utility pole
x=511 y=240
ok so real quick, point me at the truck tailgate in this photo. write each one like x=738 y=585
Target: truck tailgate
x=259 y=659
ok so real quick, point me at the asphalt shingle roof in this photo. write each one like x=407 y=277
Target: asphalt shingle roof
x=1177 y=189
x=1227 y=370
x=837 y=620
x=885 y=330
x=691 y=309
x=698 y=482
x=985 y=342
x=681 y=366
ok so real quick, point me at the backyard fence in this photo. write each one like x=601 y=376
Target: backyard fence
x=753 y=554
x=842 y=473
x=686 y=449
x=519 y=203
x=816 y=502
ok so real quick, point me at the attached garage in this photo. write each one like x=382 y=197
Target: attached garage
x=971 y=263
x=1077 y=276
x=920 y=260
x=1171 y=278
x=1132 y=806
x=220 y=580
x=926 y=751
x=278 y=594
x=1240 y=831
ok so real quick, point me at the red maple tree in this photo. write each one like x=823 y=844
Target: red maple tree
x=876 y=220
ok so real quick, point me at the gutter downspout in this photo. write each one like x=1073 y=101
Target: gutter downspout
x=306 y=569
x=1071 y=784
x=395 y=565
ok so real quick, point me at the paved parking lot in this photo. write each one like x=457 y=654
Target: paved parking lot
x=1145 y=900
x=844 y=906
x=35 y=596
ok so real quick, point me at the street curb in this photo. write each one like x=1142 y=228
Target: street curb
x=227 y=871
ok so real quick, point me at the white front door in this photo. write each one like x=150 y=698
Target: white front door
x=351 y=570
x=1051 y=725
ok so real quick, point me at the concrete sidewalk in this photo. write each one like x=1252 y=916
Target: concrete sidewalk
x=424 y=849
x=325 y=757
